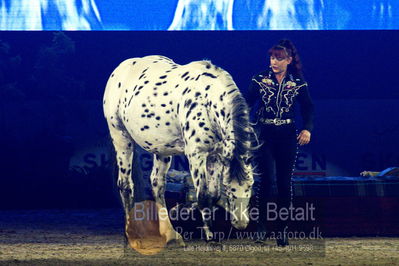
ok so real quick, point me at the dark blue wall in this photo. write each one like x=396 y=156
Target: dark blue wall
x=338 y=64
x=54 y=138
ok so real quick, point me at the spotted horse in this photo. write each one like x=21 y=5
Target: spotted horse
x=194 y=109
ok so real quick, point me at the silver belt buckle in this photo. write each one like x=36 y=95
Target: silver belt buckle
x=277 y=122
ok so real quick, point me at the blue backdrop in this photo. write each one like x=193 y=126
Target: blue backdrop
x=199 y=15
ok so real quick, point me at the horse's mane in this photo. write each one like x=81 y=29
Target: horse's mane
x=243 y=136
x=243 y=132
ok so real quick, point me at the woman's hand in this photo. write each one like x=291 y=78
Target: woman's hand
x=303 y=137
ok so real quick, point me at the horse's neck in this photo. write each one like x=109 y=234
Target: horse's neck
x=225 y=123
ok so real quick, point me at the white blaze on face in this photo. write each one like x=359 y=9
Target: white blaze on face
x=238 y=197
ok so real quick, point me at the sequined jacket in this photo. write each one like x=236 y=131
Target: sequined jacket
x=273 y=100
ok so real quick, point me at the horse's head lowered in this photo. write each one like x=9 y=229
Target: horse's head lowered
x=236 y=174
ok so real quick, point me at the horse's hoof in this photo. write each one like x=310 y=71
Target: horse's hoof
x=261 y=242
x=214 y=244
x=175 y=243
x=282 y=242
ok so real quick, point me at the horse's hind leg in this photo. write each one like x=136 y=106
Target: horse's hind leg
x=124 y=147
x=158 y=182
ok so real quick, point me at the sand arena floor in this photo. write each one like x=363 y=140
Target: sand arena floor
x=84 y=237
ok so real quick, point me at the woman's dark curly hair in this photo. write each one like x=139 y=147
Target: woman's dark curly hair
x=286 y=48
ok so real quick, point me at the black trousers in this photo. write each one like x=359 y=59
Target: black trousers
x=275 y=160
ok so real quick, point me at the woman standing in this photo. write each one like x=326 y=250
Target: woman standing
x=274 y=93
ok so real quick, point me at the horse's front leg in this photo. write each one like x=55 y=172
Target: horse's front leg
x=158 y=182
x=207 y=214
x=204 y=197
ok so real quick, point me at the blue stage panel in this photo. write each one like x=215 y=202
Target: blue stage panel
x=198 y=15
